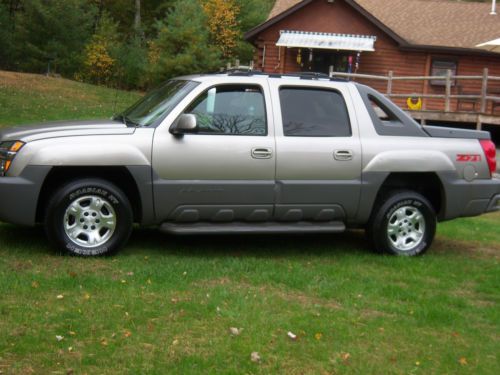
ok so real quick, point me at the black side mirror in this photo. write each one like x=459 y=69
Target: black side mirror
x=186 y=123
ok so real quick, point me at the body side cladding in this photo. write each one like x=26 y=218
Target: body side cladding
x=142 y=174
x=19 y=195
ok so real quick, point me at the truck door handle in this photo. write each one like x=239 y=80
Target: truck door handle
x=262 y=153
x=343 y=155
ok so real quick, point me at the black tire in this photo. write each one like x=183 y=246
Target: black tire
x=403 y=223
x=95 y=212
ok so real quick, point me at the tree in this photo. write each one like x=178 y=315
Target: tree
x=53 y=31
x=182 y=45
x=223 y=25
x=99 y=65
x=252 y=13
x=5 y=37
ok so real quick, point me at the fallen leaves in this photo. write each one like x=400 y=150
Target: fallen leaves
x=235 y=331
x=59 y=338
x=463 y=361
x=345 y=356
x=255 y=357
x=318 y=336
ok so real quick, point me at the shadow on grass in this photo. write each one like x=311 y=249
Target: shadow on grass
x=150 y=241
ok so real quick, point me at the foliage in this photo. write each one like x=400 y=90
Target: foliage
x=132 y=64
x=222 y=24
x=54 y=31
x=5 y=33
x=176 y=37
x=182 y=44
x=99 y=65
x=252 y=13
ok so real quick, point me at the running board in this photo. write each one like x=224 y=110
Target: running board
x=253 y=228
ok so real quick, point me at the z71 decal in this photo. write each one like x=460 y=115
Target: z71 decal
x=468 y=158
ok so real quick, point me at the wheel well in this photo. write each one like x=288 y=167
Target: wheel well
x=428 y=184
x=120 y=176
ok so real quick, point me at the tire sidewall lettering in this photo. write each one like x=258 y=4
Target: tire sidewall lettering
x=407 y=202
x=94 y=190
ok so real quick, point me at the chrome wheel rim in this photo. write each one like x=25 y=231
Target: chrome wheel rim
x=90 y=221
x=406 y=228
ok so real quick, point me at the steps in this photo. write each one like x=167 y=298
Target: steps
x=253 y=228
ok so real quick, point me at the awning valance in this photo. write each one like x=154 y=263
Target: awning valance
x=304 y=39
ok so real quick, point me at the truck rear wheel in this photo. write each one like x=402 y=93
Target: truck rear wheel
x=403 y=224
x=89 y=217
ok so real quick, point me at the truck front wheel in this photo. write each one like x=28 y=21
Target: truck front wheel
x=89 y=217
x=403 y=224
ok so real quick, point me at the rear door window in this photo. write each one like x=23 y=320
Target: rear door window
x=314 y=112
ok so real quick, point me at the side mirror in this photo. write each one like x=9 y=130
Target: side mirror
x=186 y=123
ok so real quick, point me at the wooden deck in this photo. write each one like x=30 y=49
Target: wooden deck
x=464 y=117
x=483 y=103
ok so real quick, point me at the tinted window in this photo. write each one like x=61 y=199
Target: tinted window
x=385 y=115
x=314 y=113
x=231 y=110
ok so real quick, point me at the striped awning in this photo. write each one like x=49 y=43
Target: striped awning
x=304 y=39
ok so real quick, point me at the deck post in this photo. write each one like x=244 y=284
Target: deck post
x=389 y=83
x=484 y=90
x=448 y=91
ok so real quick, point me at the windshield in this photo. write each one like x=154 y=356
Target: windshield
x=157 y=104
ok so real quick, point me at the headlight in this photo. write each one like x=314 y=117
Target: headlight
x=8 y=151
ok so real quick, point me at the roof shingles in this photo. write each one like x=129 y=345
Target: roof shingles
x=439 y=23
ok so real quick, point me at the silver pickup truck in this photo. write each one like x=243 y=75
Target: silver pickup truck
x=244 y=152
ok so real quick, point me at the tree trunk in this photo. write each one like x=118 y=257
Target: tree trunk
x=137 y=19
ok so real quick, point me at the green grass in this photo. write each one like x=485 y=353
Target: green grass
x=165 y=304
x=30 y=98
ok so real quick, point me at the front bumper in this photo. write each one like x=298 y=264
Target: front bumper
x=19 y=195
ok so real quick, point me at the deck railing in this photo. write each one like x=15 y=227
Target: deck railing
x=483 y=97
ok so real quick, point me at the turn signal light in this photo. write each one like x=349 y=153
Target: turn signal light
x=16 y=146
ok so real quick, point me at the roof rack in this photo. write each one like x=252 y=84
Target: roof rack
x=244 y=72
x=310 y=76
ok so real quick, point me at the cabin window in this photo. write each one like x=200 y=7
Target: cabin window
x=440 y=67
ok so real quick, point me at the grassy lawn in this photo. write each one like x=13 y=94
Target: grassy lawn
x=166 y=304
x=29 y=98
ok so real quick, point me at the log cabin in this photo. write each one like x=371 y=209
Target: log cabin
x=382 y=37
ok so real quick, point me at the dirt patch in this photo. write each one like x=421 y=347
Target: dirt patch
x=467 y=291
x=468 y=248
x=284 y=294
